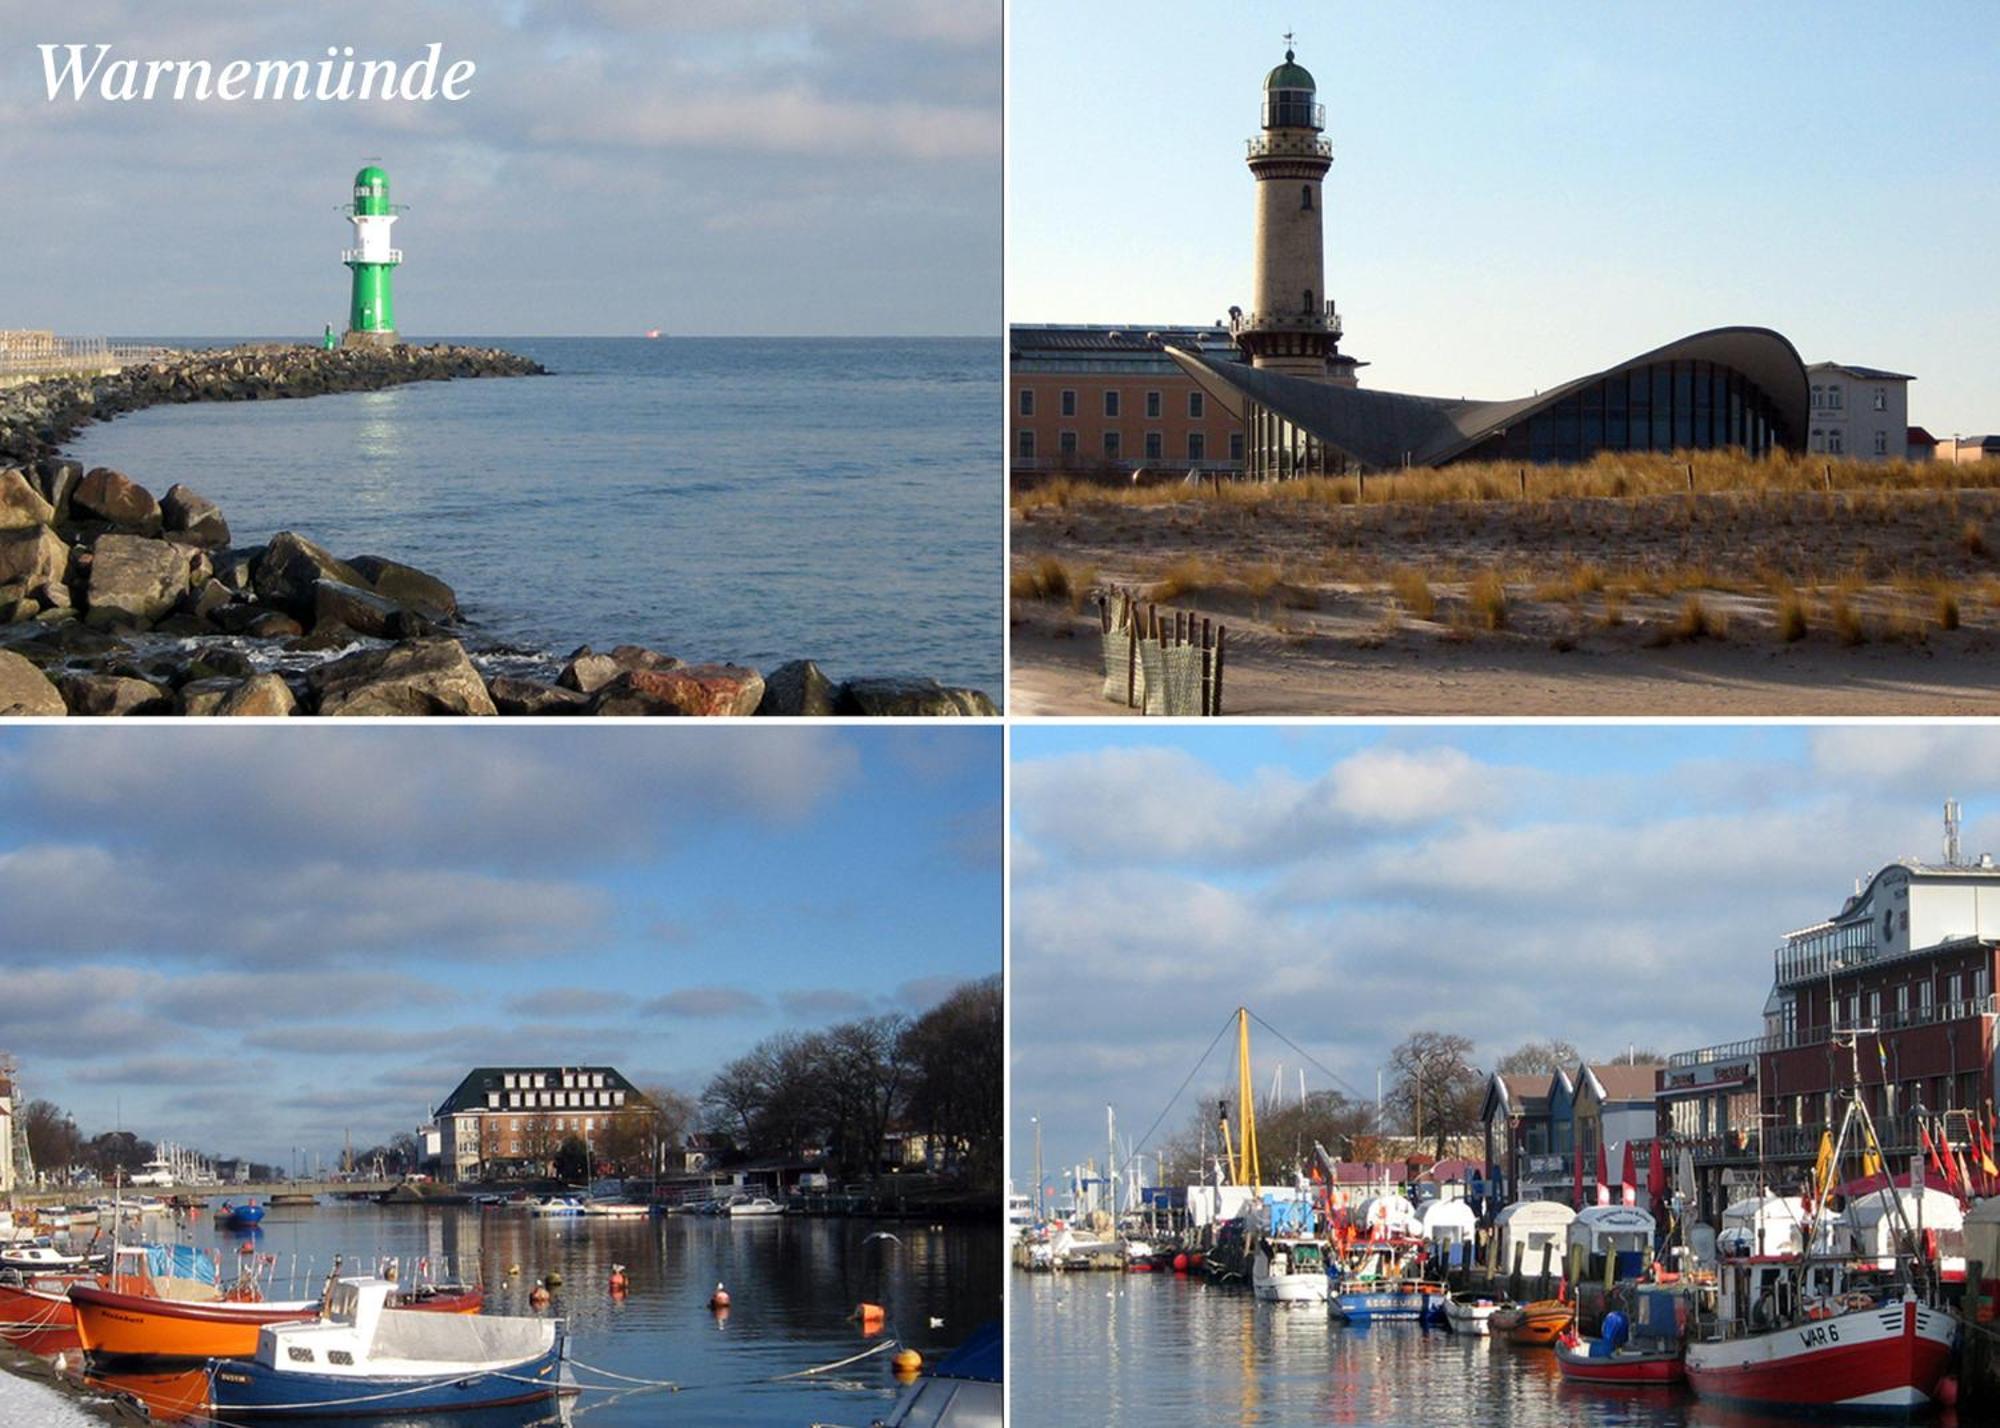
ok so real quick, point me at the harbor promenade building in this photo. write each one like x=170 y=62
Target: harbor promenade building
x=1290 y=402
x=502 y=1115
x=1891 y=997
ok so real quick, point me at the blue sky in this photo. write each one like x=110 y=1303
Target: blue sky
x=1608 y=885
x=709 y=167
x=1523 y=193
x=253 y=939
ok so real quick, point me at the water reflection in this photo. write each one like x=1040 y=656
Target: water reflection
x=1150 y=1349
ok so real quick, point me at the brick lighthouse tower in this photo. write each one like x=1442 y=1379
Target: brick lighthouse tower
x=1292 y=326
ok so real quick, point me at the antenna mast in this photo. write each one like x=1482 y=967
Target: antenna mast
x=1951 y=823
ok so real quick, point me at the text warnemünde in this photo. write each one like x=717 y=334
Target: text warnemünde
x=81 y=72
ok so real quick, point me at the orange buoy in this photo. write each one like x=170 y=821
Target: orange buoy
x=907 y=1361
x=538 y=1296
x=871 y=1317
x=719 y=1299
x=619 y=1284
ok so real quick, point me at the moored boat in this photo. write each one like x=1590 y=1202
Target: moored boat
x=36 y=1315
x=1594 y=1361
x=756 y=1207
x=363 y=1354
x=1289 y=1270
x=1537 y=1322
x=1361 y=1302
x=116 y=1323
x=1468 y=1312
x=555 y=1206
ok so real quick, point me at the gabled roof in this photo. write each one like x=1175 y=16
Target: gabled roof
x=1508 y=1094
x=1389 y=429
x=1917 y=436
x=470 y=1094
x=1867 y=374
x=1619 y=1081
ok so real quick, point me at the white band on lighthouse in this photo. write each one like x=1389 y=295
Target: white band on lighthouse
x=371 y=235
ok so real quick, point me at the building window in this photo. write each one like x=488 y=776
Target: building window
x=1818 y=398
x=1309 y=301
x=1066 y=442
x=1833 y=396
x=509 y=1083
x=1881 y=443
x=1306 y=197
x=1069 y=403
x=1111 y=404
x=1875 y=1008
x=1833 y=442
x=1152 y=406
x=1025 y=441
x=1903 y=998
x=617 y=1098
x=1955 y=989
x=1881 y=399
x=1153 y=446
x=1926 y=991
x=1195 y=405
x=1111 y=446
x=1027 y=401
x=1236 y=447
x=1197 y=446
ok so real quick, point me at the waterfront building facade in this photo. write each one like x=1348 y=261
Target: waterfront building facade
x=1536 y=1125
x=1891 y=998
x=510 y=1116
x=1861 y=413
x=1107 y=400
x=1969 y=448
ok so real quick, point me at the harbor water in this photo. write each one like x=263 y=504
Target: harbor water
x=720 y=499
x=1145 y=1349
x=793 y=1283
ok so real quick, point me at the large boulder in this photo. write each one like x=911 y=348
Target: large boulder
x=56 y=480
x=26 y=690
x=33 y=558
x=906 y=696
x=290 y=566
x=260 y=696
x=256 y=622
x=408 y=587
x=107 y=495
x=431 y=676
x=202 y=697
x=194 y=518
x=112 y=695
x=532 y=697
x=21 y=505
x=798 y=688
x=359 y=610
x=134 y=580
x=588 y=671
x=698 y=690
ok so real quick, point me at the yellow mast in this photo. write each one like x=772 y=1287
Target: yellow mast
x=1247 y=1168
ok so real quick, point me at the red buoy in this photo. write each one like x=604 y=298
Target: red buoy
x=719 y=1299
x=1181 y=1263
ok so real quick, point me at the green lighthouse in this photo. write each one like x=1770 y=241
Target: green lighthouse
x=371 y=318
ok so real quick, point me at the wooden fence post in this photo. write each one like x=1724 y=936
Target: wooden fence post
x=1221 y=639
x=1207 y=668
x=1524 y=483
x=1131 y=652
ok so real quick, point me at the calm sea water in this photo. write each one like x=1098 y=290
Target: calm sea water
x=753 y=500
x=793 y=1284
x=1148 y=1349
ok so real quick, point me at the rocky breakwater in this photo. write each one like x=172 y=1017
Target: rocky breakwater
x=113 y=602
x=37 y=418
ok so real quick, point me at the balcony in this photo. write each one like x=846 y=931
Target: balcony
x=1327 y=321
x=1933 y=1015
x=1289 y=145
x=1727 y=1051
x=355 y=255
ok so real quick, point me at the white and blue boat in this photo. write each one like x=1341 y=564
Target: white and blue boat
x=361 y=1356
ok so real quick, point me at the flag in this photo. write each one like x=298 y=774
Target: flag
x=1628 y=1180
x=1603 y=1177
x=1577 y=1193
x=1656 y=1174
x=1929 y=1150
x=1822 y=1171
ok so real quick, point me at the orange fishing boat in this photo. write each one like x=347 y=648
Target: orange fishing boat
x=36 y=1314
x=113 y=1323
x=1539 y=1322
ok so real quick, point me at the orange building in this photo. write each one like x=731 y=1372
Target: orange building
x=1104 y=400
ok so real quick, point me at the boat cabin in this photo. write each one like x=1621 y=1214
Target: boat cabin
x=1754 y=1295
x=1525 y=1229
x=359 y=1335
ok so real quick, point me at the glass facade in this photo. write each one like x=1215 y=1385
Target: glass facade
x=1659 y=406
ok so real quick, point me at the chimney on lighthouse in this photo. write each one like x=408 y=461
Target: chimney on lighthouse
x=1292 y=326
x=371 y=317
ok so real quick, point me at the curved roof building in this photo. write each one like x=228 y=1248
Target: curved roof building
x=1731 y=386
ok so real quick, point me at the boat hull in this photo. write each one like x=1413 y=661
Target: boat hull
x=1468 y=1318
x=38 y=1316
x=112 y=1324
x=250 y=1391
x=1291 y=1289
x=1885 y=1360
x=1367 y=1305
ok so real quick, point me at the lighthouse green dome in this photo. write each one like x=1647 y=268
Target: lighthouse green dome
x=1289 y=76
x=371 y=190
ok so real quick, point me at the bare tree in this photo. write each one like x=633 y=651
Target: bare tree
x=1438 y=1090
x=1533 y=1057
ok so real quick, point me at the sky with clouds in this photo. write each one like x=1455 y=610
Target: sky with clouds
x=1524 y=193
x=254 y=939
x=718 y=167
x=1605 y=885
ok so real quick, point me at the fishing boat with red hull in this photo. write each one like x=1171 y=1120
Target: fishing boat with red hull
x=1830 y=1332
x=1621 y=1368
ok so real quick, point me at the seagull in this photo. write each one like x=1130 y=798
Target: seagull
x=937 y=1323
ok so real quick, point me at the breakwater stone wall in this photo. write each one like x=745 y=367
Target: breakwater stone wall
x=116 y=602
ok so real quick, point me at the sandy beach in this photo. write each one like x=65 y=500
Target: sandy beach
x=1772 y=602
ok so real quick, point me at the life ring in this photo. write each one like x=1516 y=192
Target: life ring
x=1858 y=1302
